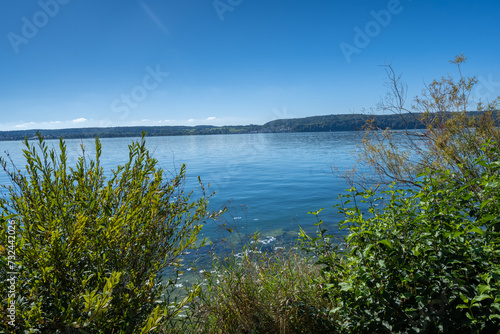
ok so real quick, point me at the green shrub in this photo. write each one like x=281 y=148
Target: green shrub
x=90 y=250
x=426 y=261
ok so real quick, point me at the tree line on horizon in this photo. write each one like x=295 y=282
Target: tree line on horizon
x=326 y=123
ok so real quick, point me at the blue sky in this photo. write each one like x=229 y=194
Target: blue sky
x=82 y=63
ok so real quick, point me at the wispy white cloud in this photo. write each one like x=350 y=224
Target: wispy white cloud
x=24 y=125
x=45 y=125
x=154 y=18
x=91 y=122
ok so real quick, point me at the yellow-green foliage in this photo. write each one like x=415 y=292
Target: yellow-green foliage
x=90 y=249
x=456 y=127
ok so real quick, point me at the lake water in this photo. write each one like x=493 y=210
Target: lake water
x=272 y=180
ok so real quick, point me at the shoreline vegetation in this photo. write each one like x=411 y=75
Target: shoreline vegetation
x=421 y=255
x=326 y=123
x=426 y=261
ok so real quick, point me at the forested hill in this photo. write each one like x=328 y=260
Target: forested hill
x=343 y=122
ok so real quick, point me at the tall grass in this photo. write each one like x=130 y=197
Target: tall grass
x=260 y=292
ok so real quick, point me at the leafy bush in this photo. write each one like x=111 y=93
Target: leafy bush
x=90 y=250
x=427 y=260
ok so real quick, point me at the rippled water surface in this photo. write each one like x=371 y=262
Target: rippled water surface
x=272 y=180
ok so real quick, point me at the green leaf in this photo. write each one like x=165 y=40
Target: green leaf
x=482 y=288
x=480 y=298
x=366 y=252
x=386 y=242
x=477 y=230
x=344 y=286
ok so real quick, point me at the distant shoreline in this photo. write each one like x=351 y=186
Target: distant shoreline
x=326 y=123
